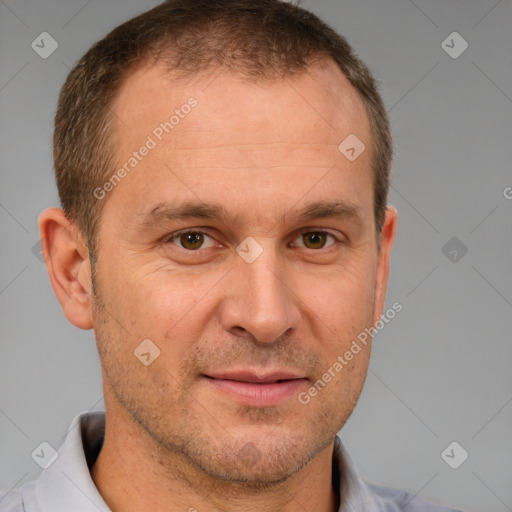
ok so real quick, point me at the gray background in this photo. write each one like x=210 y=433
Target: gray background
x=440 y=371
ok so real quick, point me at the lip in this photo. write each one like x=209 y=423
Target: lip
x=255 y=389
x=255 y=376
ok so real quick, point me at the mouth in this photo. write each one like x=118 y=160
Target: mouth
x=257 y=389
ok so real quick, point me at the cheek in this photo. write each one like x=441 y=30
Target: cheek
x=342 y=297
x=164 y=306
x=153 y=300
x=341 y=307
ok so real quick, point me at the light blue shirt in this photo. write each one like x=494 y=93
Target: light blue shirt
x=66 y=485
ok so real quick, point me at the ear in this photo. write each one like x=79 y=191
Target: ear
x=67 y=262
x=388 y=234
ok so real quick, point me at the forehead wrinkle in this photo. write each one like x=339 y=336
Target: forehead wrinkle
x=265 y=154
x=254 y=166
x=266 y=164
x=254 y=146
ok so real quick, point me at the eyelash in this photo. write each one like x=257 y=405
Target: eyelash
x=169 y=239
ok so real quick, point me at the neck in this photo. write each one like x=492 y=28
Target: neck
x=134 y=473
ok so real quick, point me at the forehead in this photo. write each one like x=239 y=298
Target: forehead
x=264 y=139
x=320 y=95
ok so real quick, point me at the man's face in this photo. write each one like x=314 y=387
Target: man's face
x=241 y=333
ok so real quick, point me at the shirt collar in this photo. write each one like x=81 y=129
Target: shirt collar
x=67 y=484
x=356 y=496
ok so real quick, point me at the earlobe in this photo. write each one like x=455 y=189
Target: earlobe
x=67 y=261
x=388 y=235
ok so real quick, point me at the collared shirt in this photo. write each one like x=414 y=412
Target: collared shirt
x=66 y=485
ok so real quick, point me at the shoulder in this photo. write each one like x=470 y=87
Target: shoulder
x=65 y=484
x=393 y=500
x=363 y=495
x=11 y=501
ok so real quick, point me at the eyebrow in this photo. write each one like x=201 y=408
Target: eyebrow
x=165 y=212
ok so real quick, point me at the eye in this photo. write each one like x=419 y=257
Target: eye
x=190 y=240
x=316 y=239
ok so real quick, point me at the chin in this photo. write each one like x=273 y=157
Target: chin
x=264 y=461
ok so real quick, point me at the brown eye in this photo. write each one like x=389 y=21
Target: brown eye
x=191 y=240
x=316 y=239
x=191 y=244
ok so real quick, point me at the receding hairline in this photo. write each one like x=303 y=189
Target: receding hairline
x=320 y=62
x=206 y=32
x=324 y=65
x=178 y=77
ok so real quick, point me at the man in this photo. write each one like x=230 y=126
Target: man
x=223 y=168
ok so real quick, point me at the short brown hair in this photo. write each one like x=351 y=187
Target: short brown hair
x=259 y=39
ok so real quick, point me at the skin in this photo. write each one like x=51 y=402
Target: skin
x=264 y=150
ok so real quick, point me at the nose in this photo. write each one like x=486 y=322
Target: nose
x=261 y=304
